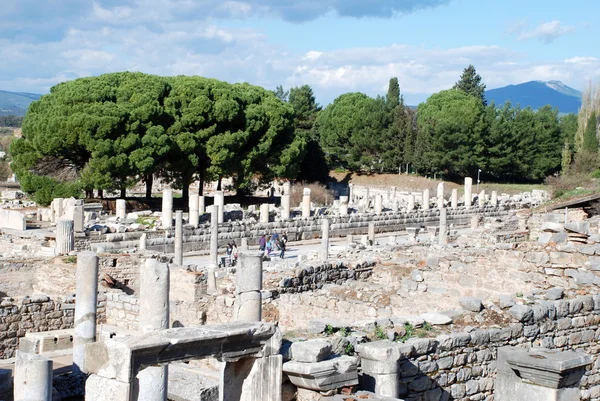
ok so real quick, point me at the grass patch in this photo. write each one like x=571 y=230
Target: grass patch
x=70 y=259
x=511 y=189
x=147 y=221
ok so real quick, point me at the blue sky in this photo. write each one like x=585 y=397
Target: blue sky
x=336 y=46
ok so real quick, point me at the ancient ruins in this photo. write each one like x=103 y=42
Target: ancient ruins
x=444 y=294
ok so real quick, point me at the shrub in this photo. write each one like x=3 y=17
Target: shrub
x=44 y=189
x=319 y=194
x=567 y=182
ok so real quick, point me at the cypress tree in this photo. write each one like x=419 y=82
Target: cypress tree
x=590 y=138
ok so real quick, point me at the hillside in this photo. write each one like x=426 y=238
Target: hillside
x=537 y=94
x=15 y=103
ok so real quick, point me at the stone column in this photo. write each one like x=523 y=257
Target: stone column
x=264 y=213
x=395 y=206
x=287 y=188
x=411 y=203
x=154 y=315
x=306 y=203
x=454 y=201
x=351 y=192
x=380 y=363
x=143 y=242
x=378 y=204
x=325 y=240
x=219 y=200
x=201 y=205
x=33 y=378
x=121 y=209
x=86 y=300
x=78 y=219
x=349 y=239
x=440 y=195
x=194 y=210
x=179 y=237
x=65 y=240
x=285 y=207
x=214 y=250
x=57 y=206
x=494 y=199
x=248 y=286
x=393 y=193
x=343 y=206
x=244 y=244
x=371 y=234
x=426 y=199
x=468 y=191
x=481 y=199
x=166 y=218
x=443 y=226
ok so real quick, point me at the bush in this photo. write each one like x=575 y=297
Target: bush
x=567 y=182
x=319 y=194
x=44 y=189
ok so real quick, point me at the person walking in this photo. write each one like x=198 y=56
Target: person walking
x=262 y=243
x=281 y=244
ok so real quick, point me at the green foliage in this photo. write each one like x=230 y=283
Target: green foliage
x=329 y=329
x=344 y=331
x=470 y=83
x=349 y=350
x=45 y=189
x=590 y=138
x=70 y=259
x=380 y=333
x=410 y=332
x=110 y=131
x=11 y=121
x=393 y=99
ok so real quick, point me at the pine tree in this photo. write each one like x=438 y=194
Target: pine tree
x=470 y=83
x=281 y=94
x=393 y=97
x=590 y=138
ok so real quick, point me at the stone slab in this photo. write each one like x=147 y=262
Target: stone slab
x=384 y=350
x=311 y=351
x=323 y=376
x=13 y=220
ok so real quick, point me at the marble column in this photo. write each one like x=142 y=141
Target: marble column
x=411 y=203
x=33 y=378
x=154 y=315
x=194 y=210
x=143 y=242
x=468 y=192
x=179 y=237
x=219 y=200
x=443 y=226
x=494 y=199
x=121 y=209
x=249 y=276
x=78 y=219
x=343 y=206
x=285 y=207
x=306 y=203
x=426 y=199
x=440 y=195
x=214 y=249
x=378 y=204
x=86 y=301
x=325 y=240
x=454 y=201
x=65 y=238
x=264 y=213
x=371 y=234
x=481 y=199
x=166 y=218
x=351 y=192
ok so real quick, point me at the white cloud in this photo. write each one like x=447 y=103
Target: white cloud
x=547 y=32
x=582 y=60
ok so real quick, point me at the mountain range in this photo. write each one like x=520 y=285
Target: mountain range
x=15 y=103
x=535 y=94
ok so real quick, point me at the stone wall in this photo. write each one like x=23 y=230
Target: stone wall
x=34 y=314
x=123 y=269
x=297 y=229
x=122 y=310
x=463 y=364
x=308 y=278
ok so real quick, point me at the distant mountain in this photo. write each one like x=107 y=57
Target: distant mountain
x=15 y=103
x=537 y=94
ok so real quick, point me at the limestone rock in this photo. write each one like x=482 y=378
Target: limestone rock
x=554 y=294
x=521 y=312
x=311 y=351
x=505 y=301
x=436 y=318
x=471 y=304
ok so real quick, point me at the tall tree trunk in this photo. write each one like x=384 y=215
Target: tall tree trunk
x=185 y=193
x=101 y=193
x=89 y=193
x=219 y=184
x=149 y=182
x=123 y=193
x=201 y=184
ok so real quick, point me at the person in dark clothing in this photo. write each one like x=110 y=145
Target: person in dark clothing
x=275 y=239
x=262 y=243
x=281 y=244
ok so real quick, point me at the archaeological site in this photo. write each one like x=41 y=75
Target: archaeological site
x=441 y=294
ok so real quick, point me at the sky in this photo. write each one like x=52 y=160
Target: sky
x=335 y=46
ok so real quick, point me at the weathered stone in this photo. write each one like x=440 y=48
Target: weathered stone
x=522 y=313
x=311 y=351
x=554 y=294
x=322 y=376
x=471 y=304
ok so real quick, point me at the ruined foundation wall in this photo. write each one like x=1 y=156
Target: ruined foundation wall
x=463 y=364
x=35 y=314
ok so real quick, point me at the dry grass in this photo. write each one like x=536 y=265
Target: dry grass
x=319 y=194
